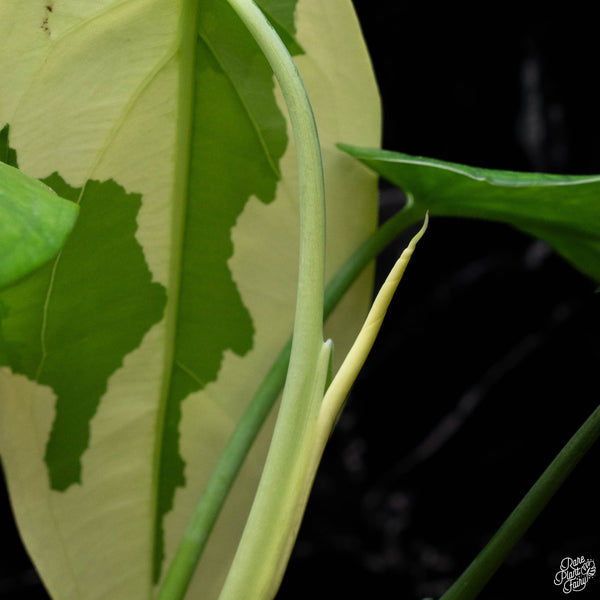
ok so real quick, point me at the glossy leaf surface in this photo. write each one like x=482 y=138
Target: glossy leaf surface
x=563 y=210
x=126 y=362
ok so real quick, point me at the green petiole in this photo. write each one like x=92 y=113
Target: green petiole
x=272 y=521
x=209 y=507
x=478 y=573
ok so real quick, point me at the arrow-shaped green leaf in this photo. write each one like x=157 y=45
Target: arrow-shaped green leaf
x=563 y=210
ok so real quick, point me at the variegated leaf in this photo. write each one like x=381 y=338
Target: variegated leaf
x=127 y=361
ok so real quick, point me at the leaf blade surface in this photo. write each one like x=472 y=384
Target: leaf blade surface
x=188 y=160
x=563 y=210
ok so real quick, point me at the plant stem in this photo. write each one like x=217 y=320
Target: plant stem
x=209 y=507
x=478 y=573
x=265 y=538
x=205 y=515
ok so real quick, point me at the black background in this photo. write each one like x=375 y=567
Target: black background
x=488 y=327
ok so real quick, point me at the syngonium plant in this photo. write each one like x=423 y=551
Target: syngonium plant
x=132 y=360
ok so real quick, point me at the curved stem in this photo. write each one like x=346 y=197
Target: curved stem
x=263 y=540
x=257 y=563
x=209 y=507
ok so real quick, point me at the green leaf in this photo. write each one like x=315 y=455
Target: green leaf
x=563 y=210
x=126 y=362
x=34 y=221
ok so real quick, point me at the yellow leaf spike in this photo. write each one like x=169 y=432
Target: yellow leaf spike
x=356 y=357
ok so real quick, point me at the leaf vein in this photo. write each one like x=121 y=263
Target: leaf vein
x=270 y=160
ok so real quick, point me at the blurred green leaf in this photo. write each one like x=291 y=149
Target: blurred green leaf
x=563 y=210
x=34 y=224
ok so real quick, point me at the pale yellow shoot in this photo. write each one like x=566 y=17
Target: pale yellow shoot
x=345 y=377
x=270 y=571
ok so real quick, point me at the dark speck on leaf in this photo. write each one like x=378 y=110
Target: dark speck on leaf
x=45 y=25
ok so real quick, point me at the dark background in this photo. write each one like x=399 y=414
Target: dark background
x=487 y=360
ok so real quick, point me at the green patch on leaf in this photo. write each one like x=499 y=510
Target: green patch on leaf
x=282 y=19
x=7 y=154
x=235 y=116
x=70 y=325
x=563 y=210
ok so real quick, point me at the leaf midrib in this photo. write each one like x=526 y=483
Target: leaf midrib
x=187 y=34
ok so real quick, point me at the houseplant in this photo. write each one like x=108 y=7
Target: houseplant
x=49 y=20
